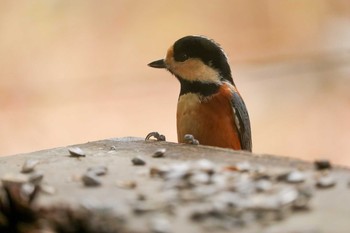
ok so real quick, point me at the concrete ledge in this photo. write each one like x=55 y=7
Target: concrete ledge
x=147 y=197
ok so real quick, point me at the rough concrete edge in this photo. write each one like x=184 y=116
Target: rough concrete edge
x=244 y=153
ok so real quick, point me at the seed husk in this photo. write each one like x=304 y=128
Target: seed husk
x=326 y=181
x=263 y=185
x=322 y=164
x=29 y=165
x=90 y=180
x=159 y=153
x=302 y=201
x=36 y=178
x=138 y=161
x=160 y=224
x=127 y=184
x=27 y=189
x=48 y=189
x=244 y=166
x=98 y=170
x=9 y=179
x=76 y=152
x=295 y=176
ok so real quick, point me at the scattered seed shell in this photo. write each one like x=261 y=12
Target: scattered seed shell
x=127 y=184
x=244 y=166
x=295 y=176
x=205 y=165
x=287 y=195
x=242 y=193
x=263 y=185
x=138 y=161
x=303 y=199
x=159 y=153
x=326 y=181
x=27 y=189
x=322 y=164
x=9 y=179
x=36 y=178
x=141 y=197
x=160 y=224
x=231 y=168
x=98 y=170
x=48 y=189
x=90 y=180
x=199 y=178
x=76 y=152
x=157 y=171
x=29 y=165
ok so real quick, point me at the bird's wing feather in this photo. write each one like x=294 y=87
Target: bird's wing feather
x=242 y=121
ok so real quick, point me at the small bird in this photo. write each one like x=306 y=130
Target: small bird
x=209 y=106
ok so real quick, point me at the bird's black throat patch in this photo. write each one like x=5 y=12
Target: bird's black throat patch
x=197 y=87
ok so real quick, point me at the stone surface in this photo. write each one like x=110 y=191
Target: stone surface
x=328 y=209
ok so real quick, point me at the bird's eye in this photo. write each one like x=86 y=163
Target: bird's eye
x=182 y=57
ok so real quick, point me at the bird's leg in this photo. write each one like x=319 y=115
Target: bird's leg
x=156 y=135
x=189 y=139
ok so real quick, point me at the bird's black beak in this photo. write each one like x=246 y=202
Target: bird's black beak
x=160 y=64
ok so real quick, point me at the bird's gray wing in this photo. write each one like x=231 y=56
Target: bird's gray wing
x=242 y=121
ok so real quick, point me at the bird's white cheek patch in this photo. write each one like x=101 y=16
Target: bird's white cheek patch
x=192 y=69
x=195 y=70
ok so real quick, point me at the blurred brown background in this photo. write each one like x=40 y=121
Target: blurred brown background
x=75 y=71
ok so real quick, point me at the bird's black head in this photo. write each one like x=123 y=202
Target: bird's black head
x=196 y=58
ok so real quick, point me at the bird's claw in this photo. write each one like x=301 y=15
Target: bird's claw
x=189 y=139
x=156 y=135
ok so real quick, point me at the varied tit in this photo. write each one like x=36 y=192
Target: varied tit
x=209 y=106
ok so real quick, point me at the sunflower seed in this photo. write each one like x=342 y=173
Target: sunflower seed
x=322 y=164
x=36 y=178
x=76 y=152
x=295 y=176
x=90 y=180
x=205 y=166
x=9 y=179
x=302 y=201
x=127 y=184
x=138 y=161
x=263 y=185
x=326 y=181
x=48 y=189
x=159 y=153
x=160 y=224
x=29 y=165
x=244 y=166
x=27 y=189
x=98 y=170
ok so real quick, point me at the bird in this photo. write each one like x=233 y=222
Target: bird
x=209 y=105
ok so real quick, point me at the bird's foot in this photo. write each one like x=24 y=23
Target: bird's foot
x=156 y=135
x=189 y=139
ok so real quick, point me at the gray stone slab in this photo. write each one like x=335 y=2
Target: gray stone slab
x=125 y=183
